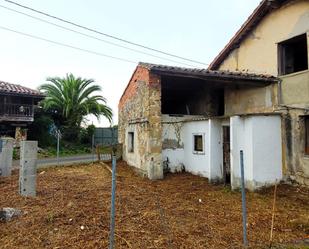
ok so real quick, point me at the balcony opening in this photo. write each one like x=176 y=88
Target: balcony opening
x=293 y=55
x=191 y=96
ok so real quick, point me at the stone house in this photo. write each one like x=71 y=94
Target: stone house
x=189 y=118
x=254 y=97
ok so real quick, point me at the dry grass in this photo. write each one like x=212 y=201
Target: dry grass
x=159 y=214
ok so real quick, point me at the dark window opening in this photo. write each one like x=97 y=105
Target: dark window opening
x=130 y=141
x=198 y=143
x=190 y=96
x=307 y=135
x=293 y=55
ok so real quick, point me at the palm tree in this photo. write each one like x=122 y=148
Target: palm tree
x=73 y=99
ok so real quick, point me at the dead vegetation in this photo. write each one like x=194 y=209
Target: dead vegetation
x=71 y=210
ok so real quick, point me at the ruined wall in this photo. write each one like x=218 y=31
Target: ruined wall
x=250 y=100
x=295 y=89
x=133 y=116
x=258 y=52
x=296 y=162
x=178 y=145
x=140 y=112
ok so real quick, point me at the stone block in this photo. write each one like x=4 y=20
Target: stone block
x=6 y=156
x=27 y=173
x=27 y=185
x=28 y=150
x=155 y=169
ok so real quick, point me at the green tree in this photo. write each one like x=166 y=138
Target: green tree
x=74 y=98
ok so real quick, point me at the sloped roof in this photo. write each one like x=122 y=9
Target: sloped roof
x=206 y=73
x=265 y=7
x=9 y=88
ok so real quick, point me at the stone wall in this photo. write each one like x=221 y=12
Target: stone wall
x=295 y=162
x=140 y=112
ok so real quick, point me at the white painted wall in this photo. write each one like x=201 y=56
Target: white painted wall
x=175 y=156
x=215 y=150
x=207 y=164
x=196 y=163
x=267 y=147
x=260 y=139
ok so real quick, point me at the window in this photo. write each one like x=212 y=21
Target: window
x=293 y=55
x=130 y=141
x=307 y=135
x=198 y=143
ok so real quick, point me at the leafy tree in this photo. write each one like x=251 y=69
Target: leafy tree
x=74 y=98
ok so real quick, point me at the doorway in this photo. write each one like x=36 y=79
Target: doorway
x=226 y=155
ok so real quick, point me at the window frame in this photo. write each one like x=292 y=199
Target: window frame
x=130 y=140
x=198 y=152
x=281 y=54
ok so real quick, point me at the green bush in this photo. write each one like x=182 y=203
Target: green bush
x=39 y=130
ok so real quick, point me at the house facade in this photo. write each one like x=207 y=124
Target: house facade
x=253 y=98
x=185 y=119
x=17 y=105
x=275 y=40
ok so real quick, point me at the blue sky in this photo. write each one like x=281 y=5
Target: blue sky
x=196 y=29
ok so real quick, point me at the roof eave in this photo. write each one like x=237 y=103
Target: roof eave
x=263 y=9
x=216 y=76
x=37 y=96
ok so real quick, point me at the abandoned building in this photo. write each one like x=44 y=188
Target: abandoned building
x=279 y=31
x=192 y=118
x=17 y=105
x=254 y=97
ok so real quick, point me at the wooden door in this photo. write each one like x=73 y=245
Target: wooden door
x=226 y=155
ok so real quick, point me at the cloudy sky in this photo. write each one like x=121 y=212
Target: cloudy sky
x=196 y=29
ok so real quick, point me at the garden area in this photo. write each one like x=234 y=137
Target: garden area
x=72 y=210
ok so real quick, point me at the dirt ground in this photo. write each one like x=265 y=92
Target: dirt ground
x=72 y=207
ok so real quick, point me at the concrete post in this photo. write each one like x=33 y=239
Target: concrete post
x=6 y=156
x=27 y=172
x=155 y=168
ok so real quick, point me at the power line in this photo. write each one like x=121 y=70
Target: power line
x=92 y=37
x=68 y=45
x=104 y=34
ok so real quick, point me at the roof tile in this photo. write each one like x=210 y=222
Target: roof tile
x=206 y=72
x=10 y=88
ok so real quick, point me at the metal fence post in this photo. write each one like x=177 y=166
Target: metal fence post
x=92 y=148
x=112 y=220
x=243 y=199
x=58 y=146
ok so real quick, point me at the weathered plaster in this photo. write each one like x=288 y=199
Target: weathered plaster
x=249 y=100
x=260 y=55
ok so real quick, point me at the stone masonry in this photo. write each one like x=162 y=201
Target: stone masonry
x=140 y=112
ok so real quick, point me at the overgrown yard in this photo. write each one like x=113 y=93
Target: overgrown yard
x=72 y=207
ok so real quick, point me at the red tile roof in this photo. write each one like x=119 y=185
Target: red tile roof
x=9 y=88
x=206 y=73
x=265 y=7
